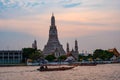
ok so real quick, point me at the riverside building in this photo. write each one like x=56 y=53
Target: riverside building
x=10 y=56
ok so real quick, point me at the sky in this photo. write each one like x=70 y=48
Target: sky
x=94 y=23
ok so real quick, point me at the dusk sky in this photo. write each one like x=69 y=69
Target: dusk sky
x=94 y=23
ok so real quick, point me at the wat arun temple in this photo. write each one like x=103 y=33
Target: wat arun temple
x=53 y=45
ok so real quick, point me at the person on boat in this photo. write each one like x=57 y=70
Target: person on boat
x=43 y=64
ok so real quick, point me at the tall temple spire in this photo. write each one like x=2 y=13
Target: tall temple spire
x=53 y=29
x=76 y=46
x=53 y=45
x=67 y=48
x=34 y=45
x=52 y=20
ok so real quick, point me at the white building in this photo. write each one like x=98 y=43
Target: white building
x=10 y=56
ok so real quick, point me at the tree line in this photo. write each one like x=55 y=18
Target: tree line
x=35 y=55
x=98 y=54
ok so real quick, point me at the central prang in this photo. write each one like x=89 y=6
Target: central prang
x=53 y=45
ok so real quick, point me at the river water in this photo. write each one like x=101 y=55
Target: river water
x=99 y=72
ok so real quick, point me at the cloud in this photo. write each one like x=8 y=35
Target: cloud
x=74 y=18
x=20 y=3
x=71 y=5
x=17 y=8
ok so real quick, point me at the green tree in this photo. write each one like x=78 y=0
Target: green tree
x=50 y=57
x=30 y=53
x=36 y=55
x=62 y=57
x=108 y=55
x=102 y=54
x=89 y=56
x=82 y=57
x=27 y=52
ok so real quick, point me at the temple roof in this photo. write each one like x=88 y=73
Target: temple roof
x=114 y=51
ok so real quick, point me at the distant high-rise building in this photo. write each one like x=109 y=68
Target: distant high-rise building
x=34 y=45
x=53 y=45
